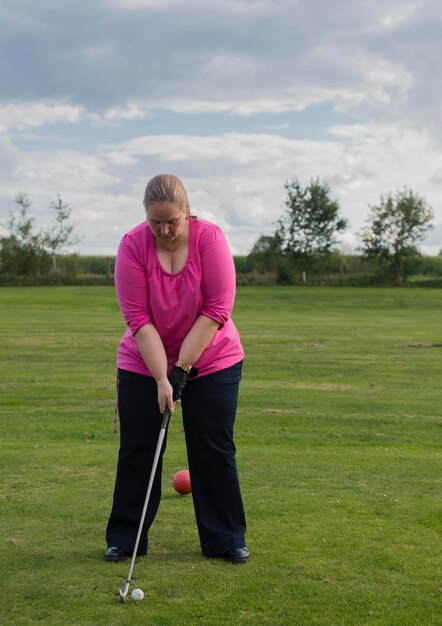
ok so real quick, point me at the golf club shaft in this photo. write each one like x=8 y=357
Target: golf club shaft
x=161 y=436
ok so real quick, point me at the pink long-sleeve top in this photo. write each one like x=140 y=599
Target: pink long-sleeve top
x=147 y=294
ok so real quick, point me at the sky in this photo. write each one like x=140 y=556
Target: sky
x=235 y=97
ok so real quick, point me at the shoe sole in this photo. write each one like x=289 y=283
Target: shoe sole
x=238 y=560
x=115 y=559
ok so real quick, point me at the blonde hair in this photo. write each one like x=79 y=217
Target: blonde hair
x=166 y=188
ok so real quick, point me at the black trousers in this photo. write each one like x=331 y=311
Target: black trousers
x=209 y=406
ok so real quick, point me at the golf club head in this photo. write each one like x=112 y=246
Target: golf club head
x=122 y=596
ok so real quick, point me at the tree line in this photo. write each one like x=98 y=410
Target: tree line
x=304 y=240
x=307 y=233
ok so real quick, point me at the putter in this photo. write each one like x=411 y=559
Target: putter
x=166 y=416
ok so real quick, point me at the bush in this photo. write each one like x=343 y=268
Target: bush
x=424 y=265
x=285 y=275
x=100 y=265
x=26 y=258
x=54 y=277
x=331 y=270
x=256 y=278
x=243 y=264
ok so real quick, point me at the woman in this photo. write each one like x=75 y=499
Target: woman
x=175 y=283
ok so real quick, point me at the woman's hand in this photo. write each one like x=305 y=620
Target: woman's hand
x=165 y=395
x=178 y=380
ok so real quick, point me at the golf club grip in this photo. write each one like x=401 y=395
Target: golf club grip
x=166 y=417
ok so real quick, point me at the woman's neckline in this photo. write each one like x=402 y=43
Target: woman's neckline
x=192 y=218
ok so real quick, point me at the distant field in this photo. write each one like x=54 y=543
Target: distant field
x=339 y=450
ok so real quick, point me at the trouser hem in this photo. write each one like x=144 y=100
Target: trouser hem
x=230 y=542
x=125 y=544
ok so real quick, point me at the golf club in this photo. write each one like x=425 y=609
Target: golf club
x=166 y=417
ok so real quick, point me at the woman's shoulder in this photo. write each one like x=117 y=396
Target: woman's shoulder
x=138 y=231
x=136 y=243
x=209 y=237
x=137 y=235
x=204 y=228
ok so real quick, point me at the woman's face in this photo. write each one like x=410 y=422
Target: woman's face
x=166 y=220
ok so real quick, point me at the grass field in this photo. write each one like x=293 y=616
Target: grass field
x=338 y=435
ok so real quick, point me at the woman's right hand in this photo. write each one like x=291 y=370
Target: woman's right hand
x=165 y=395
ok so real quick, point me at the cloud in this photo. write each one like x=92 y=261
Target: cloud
x=21 y=115
x=127 y=58
x=10 y=157
x=97 y=97
x=130 y=111
x=399 y=15
x=235 y=179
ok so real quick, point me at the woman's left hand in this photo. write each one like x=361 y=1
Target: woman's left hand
x=178 y=380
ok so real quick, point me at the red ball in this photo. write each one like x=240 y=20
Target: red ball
x=181 y=482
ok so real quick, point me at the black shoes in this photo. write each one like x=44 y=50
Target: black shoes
x=116 y=554
x=236 y=555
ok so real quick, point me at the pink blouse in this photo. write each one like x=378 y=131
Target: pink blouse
x=147 y=294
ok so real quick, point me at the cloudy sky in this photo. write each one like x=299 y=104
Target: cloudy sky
x=234 y=96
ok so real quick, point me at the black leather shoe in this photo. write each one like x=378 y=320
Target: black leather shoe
x=236 y=555
x=115 y=554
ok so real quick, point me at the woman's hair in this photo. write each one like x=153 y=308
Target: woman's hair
x=166 y=188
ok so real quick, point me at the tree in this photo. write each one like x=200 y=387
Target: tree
x=23 y=251
x=311 y=220
x=266 y=253
x=58 y=237
x=394 y=228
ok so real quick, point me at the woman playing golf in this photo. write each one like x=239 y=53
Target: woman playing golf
x=175 y=283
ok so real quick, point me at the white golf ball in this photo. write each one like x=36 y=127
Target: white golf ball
x=137 y=594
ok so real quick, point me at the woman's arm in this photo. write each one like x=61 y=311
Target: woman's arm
x=132 y=292
x=218 y=291
x=197 y=339
x=153 y=352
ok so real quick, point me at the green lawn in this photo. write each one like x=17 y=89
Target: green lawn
x=339 y=451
